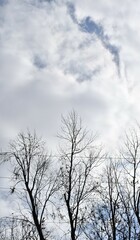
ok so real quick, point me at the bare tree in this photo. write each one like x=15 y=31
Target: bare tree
x=105 y=218
x=117 y=212
x=131 y=165
x=32 y=174
x=79 y=157
x=113 y=198
x=14 y=228
x=128 y=225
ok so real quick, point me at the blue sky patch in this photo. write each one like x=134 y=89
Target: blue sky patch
x=90 y=26
x=3 y=2
x=115 y=53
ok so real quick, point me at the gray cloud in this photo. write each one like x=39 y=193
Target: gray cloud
x=3 y=2
x=49 y=51
x=39 y=62
x=71 y=11
x=90 y=26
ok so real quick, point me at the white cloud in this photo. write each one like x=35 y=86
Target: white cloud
x=49 y=66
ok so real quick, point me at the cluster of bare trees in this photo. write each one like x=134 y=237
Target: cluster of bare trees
x=83 y=194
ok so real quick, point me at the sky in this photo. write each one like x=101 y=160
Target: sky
x=60 y=55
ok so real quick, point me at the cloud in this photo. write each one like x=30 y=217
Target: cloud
x=39 y=62
x=3 y=2
x=90 y=26
x=62 y=55
x=59 y=55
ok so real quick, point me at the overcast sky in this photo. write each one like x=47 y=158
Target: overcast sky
x=60 y=55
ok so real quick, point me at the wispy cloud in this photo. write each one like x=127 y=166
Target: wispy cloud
x=90 y=26
x=59 y=55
